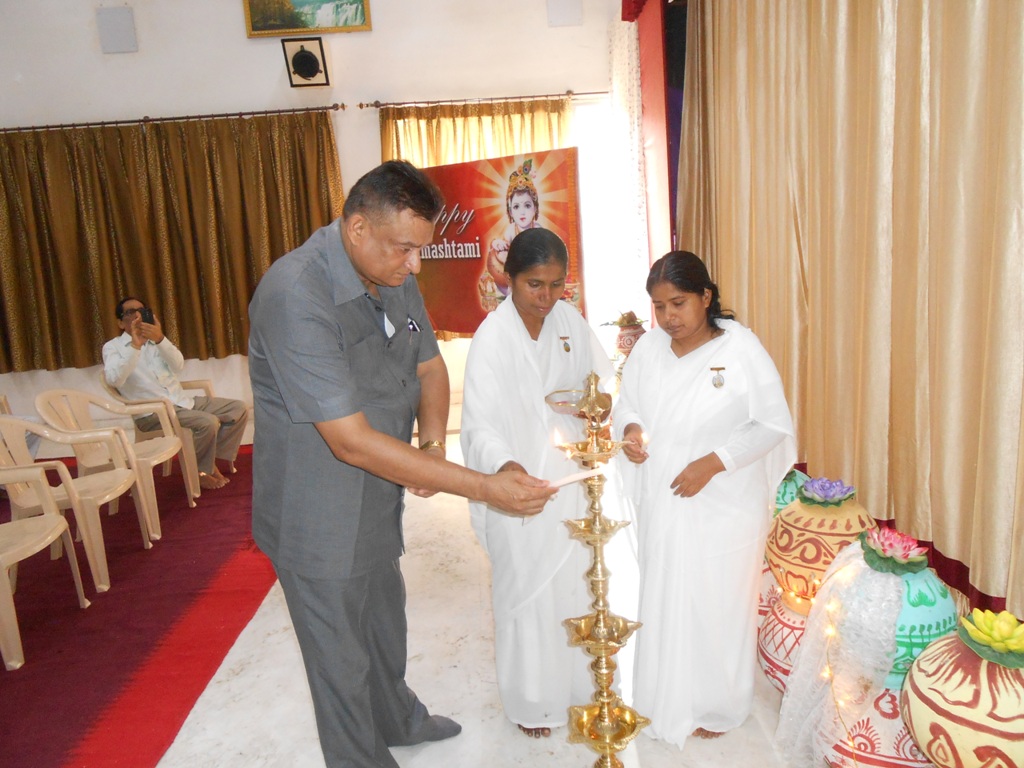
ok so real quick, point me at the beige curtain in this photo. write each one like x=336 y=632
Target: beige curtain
x=441 y=134
x=853 y=171
x=186 y=215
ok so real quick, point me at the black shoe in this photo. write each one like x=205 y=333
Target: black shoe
x=435 y=728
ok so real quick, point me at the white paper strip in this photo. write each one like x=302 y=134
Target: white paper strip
x=576 y=477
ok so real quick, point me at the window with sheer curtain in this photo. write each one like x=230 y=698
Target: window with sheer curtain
x=441 y=134
x=187 y=215
x=852 y=173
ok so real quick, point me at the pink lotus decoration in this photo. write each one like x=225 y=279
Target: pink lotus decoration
x=889 y=542
x=889 y=551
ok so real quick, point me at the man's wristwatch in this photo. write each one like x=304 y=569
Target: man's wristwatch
x=433 y=444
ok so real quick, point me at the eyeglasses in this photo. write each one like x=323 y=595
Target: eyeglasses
x=132 y=311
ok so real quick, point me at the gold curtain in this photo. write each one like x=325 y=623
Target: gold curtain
x=187 y=215
x=852 y=171
x=441 y=134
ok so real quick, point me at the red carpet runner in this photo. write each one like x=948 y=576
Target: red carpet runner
x=111 y=685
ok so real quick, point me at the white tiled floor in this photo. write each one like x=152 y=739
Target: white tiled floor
x=257 y=711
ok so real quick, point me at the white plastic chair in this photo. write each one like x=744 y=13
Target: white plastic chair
x=69 y=409
x=83 y=495
x=23 y=538
x=206 y=387
x=189 y=465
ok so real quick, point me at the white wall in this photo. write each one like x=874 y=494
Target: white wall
x=194 y=58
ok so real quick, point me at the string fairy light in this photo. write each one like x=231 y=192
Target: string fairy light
x=839 y=702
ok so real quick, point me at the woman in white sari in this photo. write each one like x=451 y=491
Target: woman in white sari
x=704 y=415
x=532 y=345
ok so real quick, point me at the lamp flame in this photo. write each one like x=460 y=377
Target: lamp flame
x=560 y=443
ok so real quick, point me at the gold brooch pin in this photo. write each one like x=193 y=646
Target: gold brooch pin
x=718 y=380
x=565 y=342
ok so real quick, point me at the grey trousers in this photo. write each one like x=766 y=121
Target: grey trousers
x=217 y=425
x=352 y=633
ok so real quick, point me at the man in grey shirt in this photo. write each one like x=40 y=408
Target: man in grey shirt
x=343 y=359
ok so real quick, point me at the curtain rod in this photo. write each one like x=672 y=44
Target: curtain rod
x=570 y=94
x=180 y=118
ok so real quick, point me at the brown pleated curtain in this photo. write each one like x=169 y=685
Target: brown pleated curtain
x=441 y=134
x=185 y=214
x=852 y=171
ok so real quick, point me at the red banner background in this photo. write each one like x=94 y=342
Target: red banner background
x=454 y=279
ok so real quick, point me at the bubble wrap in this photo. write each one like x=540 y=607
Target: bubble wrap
x=862 y=606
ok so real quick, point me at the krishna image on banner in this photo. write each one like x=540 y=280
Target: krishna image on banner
x=487 y=203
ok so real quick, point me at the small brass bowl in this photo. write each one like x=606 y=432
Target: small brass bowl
x=569 y=403
x=566 y=401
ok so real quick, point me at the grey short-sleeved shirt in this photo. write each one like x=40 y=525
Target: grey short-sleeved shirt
x=317 y=352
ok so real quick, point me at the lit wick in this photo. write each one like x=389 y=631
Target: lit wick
x=560 y=443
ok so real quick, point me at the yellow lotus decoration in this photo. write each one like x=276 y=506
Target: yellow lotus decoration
x=1001 y=632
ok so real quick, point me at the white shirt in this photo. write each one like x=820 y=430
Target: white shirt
x=150 y=373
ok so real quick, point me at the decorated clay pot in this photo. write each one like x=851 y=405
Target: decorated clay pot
x=786 y=493
x=768 y=592
x=778 y=641
x=879 y=738
x=962 y=710
x=928 y=613
x=630 y=329
x=805 y=538
x=626 y=338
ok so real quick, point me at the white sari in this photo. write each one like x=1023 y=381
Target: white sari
x=537 y=569
x=700 y=557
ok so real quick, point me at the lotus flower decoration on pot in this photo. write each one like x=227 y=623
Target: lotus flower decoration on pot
x=963 y=698
x=806 y=536
x=1001 y=633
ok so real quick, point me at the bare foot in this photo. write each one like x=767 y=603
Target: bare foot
x=535 y=733
x=210 y=482
x=703 y=733
x=220 y=476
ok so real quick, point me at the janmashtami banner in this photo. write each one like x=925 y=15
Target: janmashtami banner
x=487 y=203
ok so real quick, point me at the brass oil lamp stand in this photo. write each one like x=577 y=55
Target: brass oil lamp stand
x=607 y=724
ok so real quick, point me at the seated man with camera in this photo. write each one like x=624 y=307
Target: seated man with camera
x=143 y=364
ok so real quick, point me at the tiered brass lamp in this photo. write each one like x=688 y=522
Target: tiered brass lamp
x=607 y=724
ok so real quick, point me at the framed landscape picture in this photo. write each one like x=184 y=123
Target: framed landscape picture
x=265 y=18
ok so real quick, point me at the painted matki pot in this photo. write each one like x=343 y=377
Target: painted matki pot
x=963 y=698
x=630 y=329
x=788 y=489
x=879 y=739
x=928 y=613
x=778 y=641
x=768 y=592
x=807 y=535
x=626 y=338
